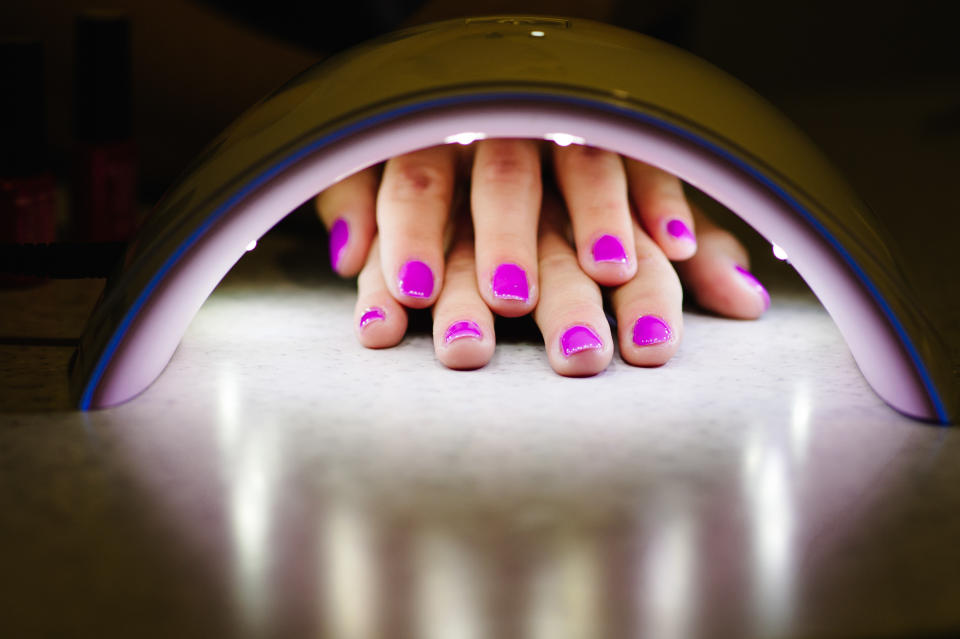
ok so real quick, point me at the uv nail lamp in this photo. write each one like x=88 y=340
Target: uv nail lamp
x=570 y=81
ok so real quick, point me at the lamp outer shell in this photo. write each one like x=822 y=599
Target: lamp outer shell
x=600 y=70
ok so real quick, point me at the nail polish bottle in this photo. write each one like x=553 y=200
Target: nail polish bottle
x=27 y=187
x=105 y=161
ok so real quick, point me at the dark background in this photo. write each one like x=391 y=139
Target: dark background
x=875 y=84
x=197 y=65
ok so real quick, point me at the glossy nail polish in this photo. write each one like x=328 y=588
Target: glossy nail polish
x=679 y=230
x=608 y=248
x=650 y=330
x=372 y=314
x=415 y=279
x=462 y=329
x=579 y=338
x=754 y=284
x=339 y=234
x=509 y=282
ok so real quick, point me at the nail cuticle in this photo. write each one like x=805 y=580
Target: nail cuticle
x=372 y=314
x=461 y=330
x=650 y=330
x=415 y=279
x=509 y=282
x=579 y=338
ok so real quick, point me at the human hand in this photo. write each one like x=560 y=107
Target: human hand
x=412 y=201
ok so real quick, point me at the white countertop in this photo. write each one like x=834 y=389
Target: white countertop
x=280 y=480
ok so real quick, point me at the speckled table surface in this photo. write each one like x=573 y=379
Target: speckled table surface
x=280 y=481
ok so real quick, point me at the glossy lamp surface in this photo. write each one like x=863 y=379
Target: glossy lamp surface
x=570 y=81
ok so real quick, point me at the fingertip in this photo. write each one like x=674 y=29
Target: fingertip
x=648 y=340
x=416 y=283
x=718 y=275
x=677 y=239
x=464 y=344
x=608 y=260
x=663 y=210
x=348 y=210
x=379 y=323
x=581 y=350
x=510 y=289
x=570 y=313
x=722 y=285
x=347 y=257
x=760 y=297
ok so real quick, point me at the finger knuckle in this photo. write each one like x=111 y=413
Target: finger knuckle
x=608 y=206
x=505 y=163
x=413 y=181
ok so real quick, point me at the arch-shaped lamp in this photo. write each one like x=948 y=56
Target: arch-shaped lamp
x=529 y=77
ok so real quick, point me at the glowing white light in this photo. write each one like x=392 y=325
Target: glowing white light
x=564 y=139
x=251 y=466
x=467 y=137
x=566 y=589
x=449 y=588
x=779 y=253
x=228 y=407
x=350 y=568
x=773 y=535
x=800 y=422
x=252 y=245
x=537 y=34
x=767 y=485
x=670 y=573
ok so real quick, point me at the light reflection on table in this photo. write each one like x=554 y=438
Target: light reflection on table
x=329 y=491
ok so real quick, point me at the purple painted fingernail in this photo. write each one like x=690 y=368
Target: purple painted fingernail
x=679 y=230
x=510 y=283
x=339 y=234
x=650 y=330
x=459 y=330
x=754 y=284
x=372 y=314
x=608 y=248
x=415 y=279
x=579 y=338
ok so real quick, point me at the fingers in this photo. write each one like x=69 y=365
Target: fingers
x=413 y=205
x=663 y=209
x=717 y=275
x=463 y=334
x=348 y=210
x=505 y=201
x=594 y=186
x=570 y=313
x=511 y=270
x=649 y=307
x=378 y=319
